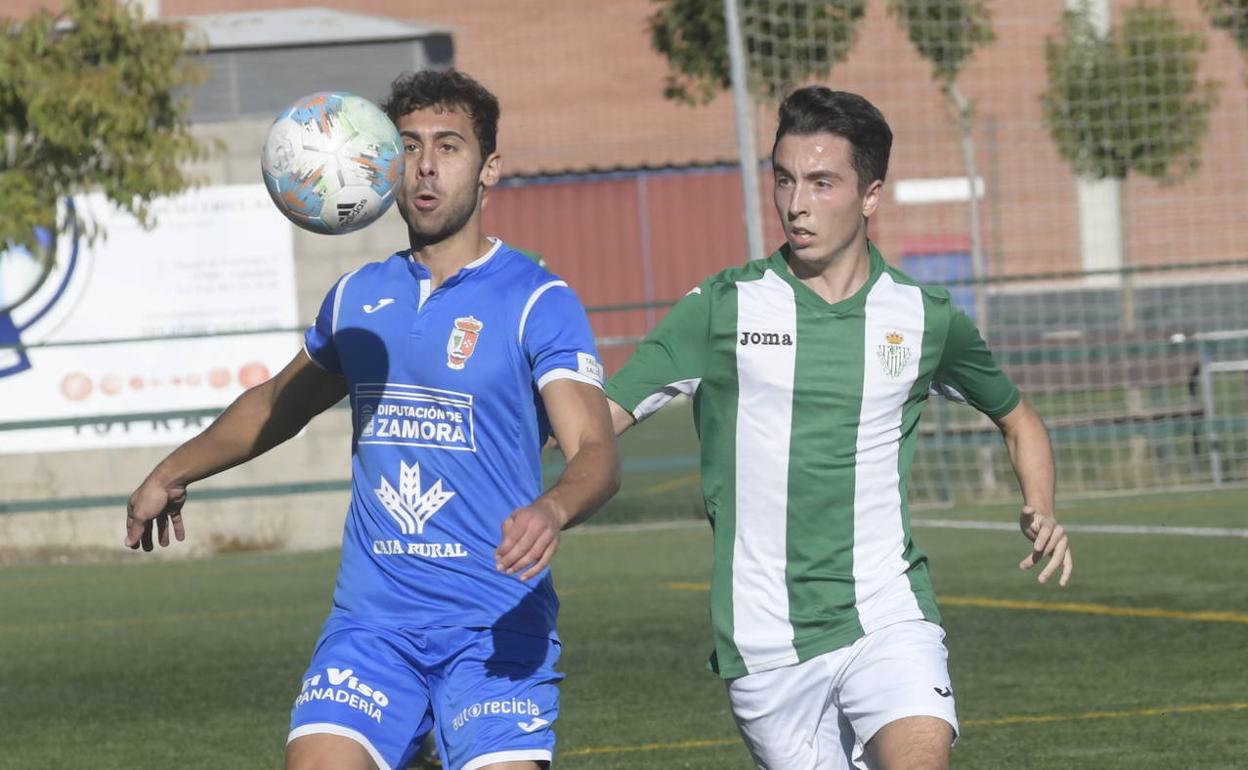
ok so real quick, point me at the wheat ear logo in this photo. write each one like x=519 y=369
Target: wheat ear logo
x=408 y=506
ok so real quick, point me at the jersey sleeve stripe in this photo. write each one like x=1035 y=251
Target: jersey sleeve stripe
x=524 y=317
x=657 y=400
x=333 y=326
x=312 y=358
x=566 y=374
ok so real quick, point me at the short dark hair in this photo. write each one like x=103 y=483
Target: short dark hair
x=819 y=109
x=447 y=89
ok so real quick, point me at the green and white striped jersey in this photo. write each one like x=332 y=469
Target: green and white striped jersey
x=807 y=414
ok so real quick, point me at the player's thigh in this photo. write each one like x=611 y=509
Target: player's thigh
x=322 y=751
x=787 y=716
x=360 y=688
x=495 y=699
x=911 y=743
x=901 y=672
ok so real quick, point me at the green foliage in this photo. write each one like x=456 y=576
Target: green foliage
x=945 y=32
x=1230 y=15
x=90 y=100
x=1130 y=101
x=693 y=37
x=787 y=42
x=790 y=41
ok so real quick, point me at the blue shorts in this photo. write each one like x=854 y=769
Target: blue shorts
x=490 y=695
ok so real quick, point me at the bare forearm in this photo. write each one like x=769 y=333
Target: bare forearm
x=1027 y=441
x=591 y=477
x=621 y=418
x=246 y=429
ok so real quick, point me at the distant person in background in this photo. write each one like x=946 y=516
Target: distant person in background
x=460 y=356
x=809 y=370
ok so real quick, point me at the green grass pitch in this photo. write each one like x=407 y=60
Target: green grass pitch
x=160 y=664
x=1140 y=663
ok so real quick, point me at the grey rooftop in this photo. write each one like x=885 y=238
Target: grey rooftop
x=298 y=27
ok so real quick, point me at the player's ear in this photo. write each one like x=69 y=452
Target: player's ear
x=491 y=170
x=871 y=199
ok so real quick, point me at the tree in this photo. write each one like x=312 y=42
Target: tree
x=90 y=100
x=787 y=41
x=1230 y=15
x=1131 y=100
x=946 y=34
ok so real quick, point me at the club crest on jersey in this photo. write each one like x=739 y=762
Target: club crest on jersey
x=893 y=354
x=463 y=341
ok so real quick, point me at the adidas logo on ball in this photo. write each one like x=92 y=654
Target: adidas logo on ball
x=347 y=212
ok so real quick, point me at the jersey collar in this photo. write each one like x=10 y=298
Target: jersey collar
x=778 y=262
x=422 y=272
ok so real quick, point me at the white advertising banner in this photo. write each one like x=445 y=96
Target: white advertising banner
x=144 y=323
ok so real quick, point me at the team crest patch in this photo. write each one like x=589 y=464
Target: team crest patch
x=463 y=341
x=893 y=354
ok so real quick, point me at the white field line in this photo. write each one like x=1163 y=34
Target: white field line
x=1100 y=529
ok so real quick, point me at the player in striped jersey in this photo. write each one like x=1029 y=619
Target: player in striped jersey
x=809 y=370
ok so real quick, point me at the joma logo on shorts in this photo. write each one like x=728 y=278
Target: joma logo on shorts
x=766 y=338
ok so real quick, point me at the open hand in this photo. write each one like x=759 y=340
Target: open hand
x=158 y=503
x=1048 y=541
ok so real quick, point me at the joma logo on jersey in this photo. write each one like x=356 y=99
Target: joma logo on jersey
x=408 y=506
x=893 y=355
x=463 y=341
x=766 y=338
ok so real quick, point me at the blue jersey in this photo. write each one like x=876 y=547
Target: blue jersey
x=448 y=426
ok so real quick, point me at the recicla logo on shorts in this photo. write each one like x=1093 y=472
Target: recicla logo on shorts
x=524 y=708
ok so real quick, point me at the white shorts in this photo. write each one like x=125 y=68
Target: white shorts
x=819 y=714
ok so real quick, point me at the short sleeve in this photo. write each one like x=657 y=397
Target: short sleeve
x=967 y=367
x=318 y=340
x=670 y=361
x=556 y=337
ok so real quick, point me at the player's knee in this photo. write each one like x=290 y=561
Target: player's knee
x=912 y=743
x=910 y=758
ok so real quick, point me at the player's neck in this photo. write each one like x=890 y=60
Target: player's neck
x=838 y=276
x=449 y=255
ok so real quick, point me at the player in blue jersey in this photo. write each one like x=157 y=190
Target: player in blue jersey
x=460 y=357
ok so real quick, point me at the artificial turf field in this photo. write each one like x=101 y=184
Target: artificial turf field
x=1141 y=663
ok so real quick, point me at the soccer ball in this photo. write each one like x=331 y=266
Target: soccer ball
x=332 y=162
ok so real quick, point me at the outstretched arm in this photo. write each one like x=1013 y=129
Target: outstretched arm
x=258 y=420
x=581 y=423
x=1027 y=440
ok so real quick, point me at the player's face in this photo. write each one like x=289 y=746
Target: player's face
x=444 y=176
x=817 y=198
